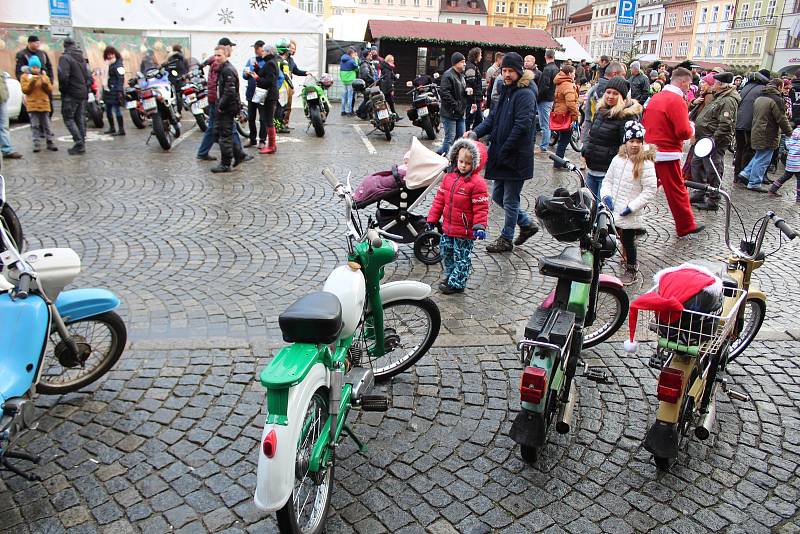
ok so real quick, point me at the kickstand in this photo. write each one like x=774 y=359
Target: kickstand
x=362 y=447
x=371 y=132
x=595 y=374
x=149 y=137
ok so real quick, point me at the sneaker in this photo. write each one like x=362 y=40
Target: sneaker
x=758 y=189
x=449 y=290
x=251 y=144
x=36 y=149
x=261 y=145
x=501 y=244
x=221 y=168
x=52 y=148
x=629 y=276
x=207 y=157
x=773 y=193
x=12 y=155
x=525 y=233
x=76 y=151
x=697 y=229
x=245 y=157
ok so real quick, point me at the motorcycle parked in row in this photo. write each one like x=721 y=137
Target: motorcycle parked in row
x=159 y=105
x=134 y=104
x=585 y=308
x=61 y=341
x=378 y=111
x=8 y=218
x=315 y=101
x=353 y=332
x=425 y=108
x=195 y=98
x=695 y=346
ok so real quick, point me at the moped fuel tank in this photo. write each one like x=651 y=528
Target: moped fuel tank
x=348 y=285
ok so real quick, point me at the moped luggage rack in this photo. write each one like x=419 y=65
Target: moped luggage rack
x=526 y=346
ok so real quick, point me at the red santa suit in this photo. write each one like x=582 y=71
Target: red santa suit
x=666 y=121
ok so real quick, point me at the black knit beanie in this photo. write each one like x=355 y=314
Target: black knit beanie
x=457 y=57
x=620 y=85
x=512 y=60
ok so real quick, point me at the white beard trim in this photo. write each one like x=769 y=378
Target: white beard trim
x=714 y=289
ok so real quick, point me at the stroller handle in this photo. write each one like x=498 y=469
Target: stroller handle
x=333 y=180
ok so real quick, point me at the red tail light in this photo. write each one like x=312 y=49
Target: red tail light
x=270 y=444
x=670 y=385
x=189 y=90
x=534 y=385
x=146 y=94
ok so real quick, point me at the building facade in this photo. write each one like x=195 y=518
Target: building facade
x=753 y=33
x=463 y=12
x=787 y=45
x=579 y=26
x=711 y=30
x=518 y=13
x=648 y=29
x=557 y=20
x=319 y=8
x=423 y=10
x=678 y=33
x=604 y=22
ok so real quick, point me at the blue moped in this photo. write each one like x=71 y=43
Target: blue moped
x=51 y=341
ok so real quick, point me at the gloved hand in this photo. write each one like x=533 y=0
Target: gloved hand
x=429 y=227
x=626 y=211
x=479 y=234
x=609 y=202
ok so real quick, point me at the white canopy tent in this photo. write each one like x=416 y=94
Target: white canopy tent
x=572 y=50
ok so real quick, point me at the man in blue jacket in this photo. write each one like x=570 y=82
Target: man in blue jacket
x=509 y=127
x=250 y=74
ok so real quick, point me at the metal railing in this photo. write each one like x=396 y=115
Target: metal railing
x=752 y=22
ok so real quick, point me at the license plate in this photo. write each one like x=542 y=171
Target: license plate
x=130 y=104
x=312 y=95
x=191 y=97
x=422 y=112
x=149 y=103
x=197 y=109
x=203 y=103
x=383 y=114
x=91 y=97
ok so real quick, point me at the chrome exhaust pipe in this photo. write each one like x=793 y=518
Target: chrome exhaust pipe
x=565 y=412
x=704 y=430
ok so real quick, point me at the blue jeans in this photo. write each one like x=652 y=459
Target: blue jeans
x=561 y=147
x=544 y=109
x=347 y=98
x=757 y=168
x=457 y=258
x=208 y=136
x=594 y=181
x=506 y=194
x=5 y=135
x=453 y=129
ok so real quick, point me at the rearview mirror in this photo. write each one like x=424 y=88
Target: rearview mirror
x=703 y=147
x=409 y=83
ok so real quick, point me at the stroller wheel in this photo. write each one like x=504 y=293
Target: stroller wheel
x=426 y=247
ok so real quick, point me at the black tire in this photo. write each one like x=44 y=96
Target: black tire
x=138 y=119
x=603 y=329
x=9 y=219
x=390 y=326
x=177 y=129
x=529 y=454
x=117 y=338
x=753 y=319
x=388 y=134
x=576 y=141
x=96 y=114
x=315 y=415
x=200 y=118
x=316 y=121
x=426 y=248
x=161 y=131
x=244 y=132
x=553 y=138
x=427 y=125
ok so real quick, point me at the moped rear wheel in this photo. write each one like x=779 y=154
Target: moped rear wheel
x=100 y=340
x=610 y=312
x=754 y=313
x=307 y=508
x=9 y=220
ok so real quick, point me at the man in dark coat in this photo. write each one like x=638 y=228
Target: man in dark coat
x=509 y=128
x=640 y=85
x=228 y=107
x=474 y=79
x=453 y=90
x=33 y=50
x=74 y=82
x=547 y=94
x=751 y=90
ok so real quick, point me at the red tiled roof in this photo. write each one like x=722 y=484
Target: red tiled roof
x=462 y=6
x=443 y=32
x=582 y=15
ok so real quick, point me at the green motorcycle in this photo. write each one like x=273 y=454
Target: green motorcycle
x=315 y=101
x=353 y=332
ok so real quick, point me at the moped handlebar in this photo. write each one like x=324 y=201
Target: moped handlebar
x=780 y=222
x=602 y=225
x=24 y=286
x=697 y=185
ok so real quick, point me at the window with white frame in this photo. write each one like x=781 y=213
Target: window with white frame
x=732 y=47
x=658 y=19
x=726 y=14
x=688 y=16
x=683 y=47
x=757 y=9
x=429 y=3
x=771 y=8
x=744 y=47
x=710 y=48
x=698 y=48
x=672 y=20
x=745 y=12
x=714 y=13
x=449 y=21
x=703 y=15
x=757 y=42
x=668 y=49
x=721 y=48
x=522 y=8
x=500 y=7
x=301 y=4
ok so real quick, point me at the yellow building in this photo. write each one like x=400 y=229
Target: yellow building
x=518 y=13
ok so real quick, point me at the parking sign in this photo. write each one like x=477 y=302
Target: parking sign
x=626 y=11
x=60 y=8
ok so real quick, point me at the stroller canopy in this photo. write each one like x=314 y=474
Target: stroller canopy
x=424 y=165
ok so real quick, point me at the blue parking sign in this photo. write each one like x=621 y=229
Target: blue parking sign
x=626 y=11
x=60 y=8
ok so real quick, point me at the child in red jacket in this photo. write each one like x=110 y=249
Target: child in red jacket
x=463 y=199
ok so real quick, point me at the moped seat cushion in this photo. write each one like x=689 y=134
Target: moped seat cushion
x=568 y=266
x=315 y=318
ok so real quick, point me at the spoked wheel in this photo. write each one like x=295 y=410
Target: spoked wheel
x=426 y=248
x=610 y=312
x=100 y=340
x=575 y=140
x=410 y=328
x=9 y=220
x=754 y=313
x=307 y=508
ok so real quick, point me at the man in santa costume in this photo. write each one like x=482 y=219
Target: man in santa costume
x=666 y=120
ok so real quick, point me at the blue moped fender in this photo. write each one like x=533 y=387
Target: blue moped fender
x=78 y=304
x=24 y=325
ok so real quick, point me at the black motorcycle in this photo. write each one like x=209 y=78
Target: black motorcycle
x=425 y=107
x=377 y=109
x=134 y=104
x=159 y=103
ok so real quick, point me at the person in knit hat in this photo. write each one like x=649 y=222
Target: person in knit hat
x=37 y=88
x=640 y=85
x=453 y=92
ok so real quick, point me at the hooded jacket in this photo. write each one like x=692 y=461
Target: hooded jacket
x=510 y=130
x=37 y=90
x=74 y=80
x=769 y=120
x=25 y=54
x=718 y=119
x=606 y=133
x=793 y=151
x=462 y=201
x=640 y=87
x=748 y=94
x=453 y=91
x=348 y=69
x=228 y=100
x=546 y=87
x=474 y=80
x=566 y=100
x=627 y=191
x=268 y=75
x=387 y=78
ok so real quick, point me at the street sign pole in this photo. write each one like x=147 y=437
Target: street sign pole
x=60 y=18
x=623 y=33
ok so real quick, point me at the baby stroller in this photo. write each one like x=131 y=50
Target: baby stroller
x=396 y=193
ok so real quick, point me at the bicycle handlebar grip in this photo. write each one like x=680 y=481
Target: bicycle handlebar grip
x=561 y=161
x=602 y=225
x=696 y=185
x=331 y=178
x=24 y=286
x=374 y=238
x=785 y=228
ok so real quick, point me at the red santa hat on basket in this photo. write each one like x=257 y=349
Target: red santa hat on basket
x=675 y=285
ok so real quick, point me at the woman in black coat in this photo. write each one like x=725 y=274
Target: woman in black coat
x=267 y=79
x=386 y=81
x=113 y=97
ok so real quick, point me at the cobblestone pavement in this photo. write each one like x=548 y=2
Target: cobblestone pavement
x=167 y=440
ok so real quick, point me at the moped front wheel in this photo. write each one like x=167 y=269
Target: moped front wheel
x=9 y=220
x=610 y=312
x=410 y=328
x=754 y=313
x=100 y=340
x=307 y=508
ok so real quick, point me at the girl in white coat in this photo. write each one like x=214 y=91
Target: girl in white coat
x=628 y=186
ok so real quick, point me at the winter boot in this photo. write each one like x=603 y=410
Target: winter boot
x=111 y=130
x=525 y=233
x=629 y=276
x=121 y=130
x=271 y=148
x=501 y=244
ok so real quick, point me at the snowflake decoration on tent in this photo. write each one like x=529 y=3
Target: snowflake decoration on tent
x=225 y=15
x=261 y=5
